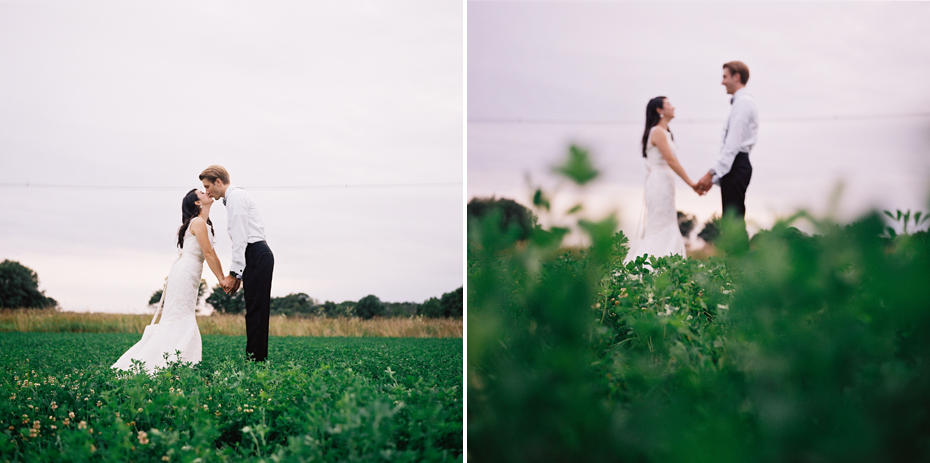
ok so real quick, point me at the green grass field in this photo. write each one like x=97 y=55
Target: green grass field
x=316 y=399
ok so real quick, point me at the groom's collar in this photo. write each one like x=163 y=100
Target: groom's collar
x=736 y=95
x=226 y=194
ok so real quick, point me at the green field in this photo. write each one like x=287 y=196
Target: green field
x=788 y=348
x=784 y=347
x=316 y=399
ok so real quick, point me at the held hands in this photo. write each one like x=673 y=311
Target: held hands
x=230 y=284
x=704 y=184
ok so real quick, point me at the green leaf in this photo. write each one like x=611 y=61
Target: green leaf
x=578 y=167
x=540 y=200
x=549 y=238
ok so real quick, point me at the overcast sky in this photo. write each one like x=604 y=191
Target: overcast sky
x=843 y=90
x=361 y=101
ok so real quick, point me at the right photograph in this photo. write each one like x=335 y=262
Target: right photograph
x=698 y=231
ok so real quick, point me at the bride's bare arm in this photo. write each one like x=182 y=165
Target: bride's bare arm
x=199 y=229
x=658 y=138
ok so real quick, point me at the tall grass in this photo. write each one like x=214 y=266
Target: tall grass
x=51 y=321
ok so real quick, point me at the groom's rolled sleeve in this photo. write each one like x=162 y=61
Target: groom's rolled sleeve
x=238 y=222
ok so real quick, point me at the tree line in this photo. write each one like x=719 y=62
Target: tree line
x=450 y=305
x=19 y=289
x=519 y=220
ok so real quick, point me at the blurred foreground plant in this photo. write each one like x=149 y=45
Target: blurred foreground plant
x=788 y=348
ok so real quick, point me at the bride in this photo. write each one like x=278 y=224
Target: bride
x=177 y=330
x=661 y=236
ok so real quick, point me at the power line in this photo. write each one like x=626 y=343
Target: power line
x=276 y=187
x=531 y=121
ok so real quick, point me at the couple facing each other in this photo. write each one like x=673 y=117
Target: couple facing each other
x=731 y=171
x=252 y=265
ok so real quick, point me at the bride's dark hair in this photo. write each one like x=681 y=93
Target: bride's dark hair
x=652 y=118
x=189 y=210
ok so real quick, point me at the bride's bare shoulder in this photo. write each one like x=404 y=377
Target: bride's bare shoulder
x=197 y=223
x=657 y=135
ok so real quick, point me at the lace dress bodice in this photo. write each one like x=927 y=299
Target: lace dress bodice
x=654 y=158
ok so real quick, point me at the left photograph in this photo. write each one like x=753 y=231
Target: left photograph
x=232 y=231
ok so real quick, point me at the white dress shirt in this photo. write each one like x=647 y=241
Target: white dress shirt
x=244 y=225
x=739 y=134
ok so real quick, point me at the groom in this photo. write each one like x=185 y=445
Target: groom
x=732 y=170
x=252 y=260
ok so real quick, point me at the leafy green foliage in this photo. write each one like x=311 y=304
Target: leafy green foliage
x=578 y=167
x=329 y=309
x=19 y=287
x=156 y=297
x=512 y=214
x=226 y=303
x=789 y=347
x=686 y=224
x=450 y=305
x=302 y=305
x=432 y=308
x=320 y=399
x=369 y=307
x=453 y=303
x=711 y=230
x=904 y=218
x=293 y=305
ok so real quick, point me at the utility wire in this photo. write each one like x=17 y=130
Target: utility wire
x=532 y=121
x=283 y=187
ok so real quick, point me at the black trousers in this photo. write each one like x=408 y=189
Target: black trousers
x=733 y=186
x=256 y=283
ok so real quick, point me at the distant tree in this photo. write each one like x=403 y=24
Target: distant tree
x=156 y=297
x=225 y=303
x=345 y=309
x=686 y=224
x=431 y=308
x=293 y=304
x=201 y=289
x=711 y=230
x=19 y=288
x=369 y=307
x=452 y=304
x=329 y=309
x=512 y=214
x=400 y=309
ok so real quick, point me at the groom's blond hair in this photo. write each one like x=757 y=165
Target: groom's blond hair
x=215 y=172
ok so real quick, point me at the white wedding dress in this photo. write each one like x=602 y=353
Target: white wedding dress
x=177 y=330
x=661 y=236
